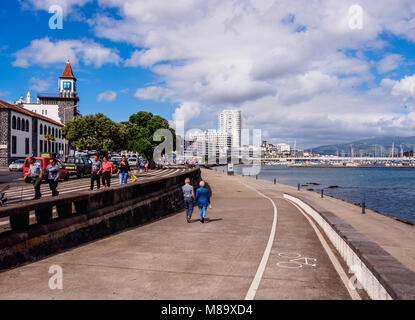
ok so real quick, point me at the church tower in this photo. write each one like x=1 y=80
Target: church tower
x=62 y=108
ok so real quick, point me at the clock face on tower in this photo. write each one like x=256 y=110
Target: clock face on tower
x=66 y=85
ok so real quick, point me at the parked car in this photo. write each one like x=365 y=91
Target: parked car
x=79 y=166
x=44 y=161
x=16 y=165
x=133 y=162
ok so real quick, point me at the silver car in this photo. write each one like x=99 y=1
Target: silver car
x=16 y=165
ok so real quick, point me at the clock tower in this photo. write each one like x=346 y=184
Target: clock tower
x=67 y=83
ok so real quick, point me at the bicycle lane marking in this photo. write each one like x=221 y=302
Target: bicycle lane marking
x=250 y=295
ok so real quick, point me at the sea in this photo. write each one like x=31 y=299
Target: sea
x=388 y=190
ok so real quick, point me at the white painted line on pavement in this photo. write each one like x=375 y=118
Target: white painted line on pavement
x=250 y=295
x=353 y=293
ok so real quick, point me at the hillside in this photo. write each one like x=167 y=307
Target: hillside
x=376 y=146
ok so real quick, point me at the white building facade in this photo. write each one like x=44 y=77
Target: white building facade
x=230 y=121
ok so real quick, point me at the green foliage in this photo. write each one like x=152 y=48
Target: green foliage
x=96 y=132
x=141 y=128
x=49 y=137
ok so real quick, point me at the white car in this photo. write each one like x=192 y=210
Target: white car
x=133 y=162
x=16 y=165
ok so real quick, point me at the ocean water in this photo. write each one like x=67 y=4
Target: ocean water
x=387 y=190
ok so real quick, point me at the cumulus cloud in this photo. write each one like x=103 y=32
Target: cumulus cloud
x=153 y=93
x=405 y=87
x=45 y=52
x=38 y=84
x=67 y=5
x=107 y=96
x=389 y=63
x=293 y=67
x=186 y=111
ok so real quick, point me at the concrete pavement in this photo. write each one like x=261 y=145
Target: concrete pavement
x=221 y=259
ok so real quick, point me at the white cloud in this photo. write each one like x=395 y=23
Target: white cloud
x=186 y=111
x=405 y=87
x=4 y=93
x=293 y=67
x=389 y=63
x=45 y=52
x=107 y=96
x=38 y=84
x=153 y=93
x=66 y=5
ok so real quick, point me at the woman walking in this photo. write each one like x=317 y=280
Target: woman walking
x=123 y=170
x=53 y=173
x=107 y=170
x=202 y=199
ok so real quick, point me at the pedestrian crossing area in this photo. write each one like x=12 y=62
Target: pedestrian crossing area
x=24 y=193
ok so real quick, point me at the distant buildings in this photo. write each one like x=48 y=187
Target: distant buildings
x=230 y=121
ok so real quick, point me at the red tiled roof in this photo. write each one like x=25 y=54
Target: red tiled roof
x=6 y=105
x=67 y=73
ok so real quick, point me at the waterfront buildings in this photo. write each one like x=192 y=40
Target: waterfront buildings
x=230 y=121
x=30 y=128
x=25 y=133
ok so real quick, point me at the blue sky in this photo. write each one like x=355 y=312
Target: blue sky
x=296 y=69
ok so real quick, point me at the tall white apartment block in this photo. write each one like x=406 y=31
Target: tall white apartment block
x=230 y=121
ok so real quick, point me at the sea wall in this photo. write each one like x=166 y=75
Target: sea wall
x=87 y=215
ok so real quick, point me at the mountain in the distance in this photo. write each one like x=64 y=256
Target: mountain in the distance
x=381 y=146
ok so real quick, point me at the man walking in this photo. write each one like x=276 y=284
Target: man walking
x=36 y=173
x=96 y=166
x=189 y=195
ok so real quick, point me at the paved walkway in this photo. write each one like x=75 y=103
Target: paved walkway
x=233 y=256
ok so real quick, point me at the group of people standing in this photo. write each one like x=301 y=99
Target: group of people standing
x=201 y=198
x=106 y=169
x=99 y=171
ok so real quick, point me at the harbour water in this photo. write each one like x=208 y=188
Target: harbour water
x=388 y=190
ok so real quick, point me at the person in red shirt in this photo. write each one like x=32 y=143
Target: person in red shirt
x=107 y=170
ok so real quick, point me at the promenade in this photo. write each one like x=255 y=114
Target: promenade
x=255 y=245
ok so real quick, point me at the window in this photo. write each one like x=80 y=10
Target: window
x=18 y=123
x=41 y=129
x=27 y=125
x=27 y=146
x=41 y=144
x=44 y=128
x=60 y=134
x=14 y=144
x=53 y=131
x=14 y=122
x=45 y=143
x=48 y=130
x=23 y=125
x=46 y=112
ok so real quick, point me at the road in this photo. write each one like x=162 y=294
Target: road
x=7 y=177
x=21 y=191
x=255 y=245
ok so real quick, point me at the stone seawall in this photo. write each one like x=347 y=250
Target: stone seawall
x=96 y=214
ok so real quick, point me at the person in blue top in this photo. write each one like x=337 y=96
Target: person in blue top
x=202 y=199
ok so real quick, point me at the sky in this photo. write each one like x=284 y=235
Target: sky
x=311 y=71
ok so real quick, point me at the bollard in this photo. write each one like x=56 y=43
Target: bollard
x=298 y=187
x=322 y=193
x=363 y=208
x=275 y=181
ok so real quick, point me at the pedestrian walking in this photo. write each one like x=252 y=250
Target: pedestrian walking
x=53 y=173
x=123 y=170
x=189 y=196
x=36 y=173
x=107 y=170
x=203 y=200
x=95 y=175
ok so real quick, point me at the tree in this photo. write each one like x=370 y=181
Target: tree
x=96 y=132
x=141 y=128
